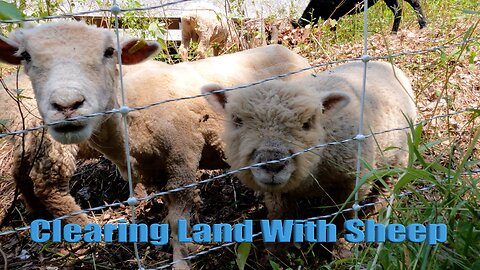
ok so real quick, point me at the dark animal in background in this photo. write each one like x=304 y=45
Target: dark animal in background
x=335 y=9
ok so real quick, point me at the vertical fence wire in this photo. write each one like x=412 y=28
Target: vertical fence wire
x=132 y=200
x=360 y=136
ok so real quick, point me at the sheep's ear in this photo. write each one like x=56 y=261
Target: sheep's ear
x=332 y=102
x=8 y=50
x=135 y=51
x=216 y=100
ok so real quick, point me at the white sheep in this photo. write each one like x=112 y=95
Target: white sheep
x=73 y=71
x=277 y=119
x=205 y=24
x=40 y=166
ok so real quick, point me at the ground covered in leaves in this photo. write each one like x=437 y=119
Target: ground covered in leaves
x=445 y=81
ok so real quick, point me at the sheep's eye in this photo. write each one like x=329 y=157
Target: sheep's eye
x=237 y=121
x=26 y=56
x=109 y=52
x=306 y=125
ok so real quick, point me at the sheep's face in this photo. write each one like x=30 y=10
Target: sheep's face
x=273 y=121
x=73 y=69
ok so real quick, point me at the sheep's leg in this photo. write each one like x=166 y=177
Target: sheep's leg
x=181 y=204
x=25 y=187
x=311 y=14
x=279 y=206
x=216 y=49
x=418 y=9
x=179 y=208
x=183 y=50
x=58 y=200
x=45 y=166
x=397 y=10
x=220 y=44
x=203 y=42
x=51 y=176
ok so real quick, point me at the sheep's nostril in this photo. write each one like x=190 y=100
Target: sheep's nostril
x=58 y=107
x=77 y=104
x=274 y=167
x=68 y=107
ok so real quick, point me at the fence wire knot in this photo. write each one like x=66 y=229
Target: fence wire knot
x=124 y=109
x=132 y=201
x=115 y=9
x=365 y=58
x=360 y=137
x=356 y=207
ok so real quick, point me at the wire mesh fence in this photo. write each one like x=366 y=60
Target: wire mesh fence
x=124 y=110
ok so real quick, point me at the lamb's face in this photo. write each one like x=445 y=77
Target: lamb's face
x=273 y=121
x=73 y=73
x=73 y=69
x=269 y=122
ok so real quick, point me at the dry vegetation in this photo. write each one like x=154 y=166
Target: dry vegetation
x=445 y=81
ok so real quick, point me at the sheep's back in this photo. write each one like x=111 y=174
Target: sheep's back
x=250 y=65
x=389 y=100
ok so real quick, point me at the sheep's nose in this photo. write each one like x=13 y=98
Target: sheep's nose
x=274 y=167
x=69 y=106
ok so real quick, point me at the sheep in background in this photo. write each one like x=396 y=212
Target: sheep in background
x=276 y=119
x=43 y=174
x=73 y=69
x=328 y=9
x=205 y=24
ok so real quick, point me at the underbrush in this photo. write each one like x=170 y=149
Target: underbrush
x=440 y=184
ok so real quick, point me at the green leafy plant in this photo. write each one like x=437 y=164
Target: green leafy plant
x=9 y=11
x=243 y=251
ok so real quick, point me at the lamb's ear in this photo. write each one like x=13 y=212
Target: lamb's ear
x=334 y=101
x=216 y=100
x=135 y=51
x=8 y=49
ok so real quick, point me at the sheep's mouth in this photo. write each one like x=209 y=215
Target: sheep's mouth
x=67 y=128
x=71 y=133
x=273 y=184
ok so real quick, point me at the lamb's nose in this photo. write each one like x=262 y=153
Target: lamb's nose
x=65 y=106
x=274 y=167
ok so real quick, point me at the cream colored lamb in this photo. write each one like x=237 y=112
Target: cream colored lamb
x=277 y=119
x=205 y=24
x=42 y=175
x=74 y=73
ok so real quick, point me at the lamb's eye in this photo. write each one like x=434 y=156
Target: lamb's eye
x=109 y=52
x=26 y=56
x=237 y=121
x=306 y=125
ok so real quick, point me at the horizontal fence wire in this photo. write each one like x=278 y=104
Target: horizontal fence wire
x=360 y=206
x=126 y=109
x=195 y=184
x=70 y=15
x=204 y=252
x=233 y=172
